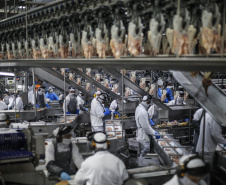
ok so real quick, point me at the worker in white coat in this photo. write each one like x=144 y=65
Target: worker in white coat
x=114 y=105
x=103 y=168
x=61 y=152
x=3 y=106
x=71 y=102
x=191 y=171
x=179 y=100
x=213 y=136
x=19 y=103
x=98 y=112
x=143 y=125
x=41 y=101
x=196 y=124
x=31 y=96
x=154 y=114
x=81 y=103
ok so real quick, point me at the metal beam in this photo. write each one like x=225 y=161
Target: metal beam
x=214 y=104
x=116 y=74
x=216 y=64
x=57 y=80
x=97 y=84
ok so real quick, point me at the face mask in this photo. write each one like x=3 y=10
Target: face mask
x=40 y=92
x=51 y=91
x=146 y=105
x=180 y=100
x=185 y=180
x=66 y=141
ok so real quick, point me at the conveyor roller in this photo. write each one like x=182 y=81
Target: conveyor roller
x=13 y=145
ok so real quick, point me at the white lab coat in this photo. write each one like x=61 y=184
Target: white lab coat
x=3 y=106
x=198 y=114
x=103 y=168
x=76 y=156
x=96 y=113
x=80 y=101
x=143 y=124
x=213 y=136
x=19 y=104
x=113 y=105
x=31 y=96
x=68 y=97
x=175 y=181
x=153 y=113
x=11 y=101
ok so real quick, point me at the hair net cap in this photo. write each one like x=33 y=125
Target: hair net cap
x=146 y=97
x=98 y=92
x=160 y=82
x=100 y=137
x=194 y=163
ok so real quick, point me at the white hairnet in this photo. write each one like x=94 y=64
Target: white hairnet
x=194 y=163
x=160 y=82
x=98 y=93
x=101 y=140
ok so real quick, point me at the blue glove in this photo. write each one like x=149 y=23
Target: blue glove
x=47 y=106
x=157 y=137
x=107 y=112
x=64 y=176
x=68 y=112
x=37 y=105
x=116 y=113
x=186 y=120
x=86 y=109
x=77 y=111
x=152 y=122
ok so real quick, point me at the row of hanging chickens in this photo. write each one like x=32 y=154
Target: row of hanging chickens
x=181 y=34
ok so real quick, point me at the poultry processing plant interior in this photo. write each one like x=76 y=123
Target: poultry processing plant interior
x=112 y=92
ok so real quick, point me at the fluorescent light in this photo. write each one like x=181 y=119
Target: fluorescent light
x=6 y=74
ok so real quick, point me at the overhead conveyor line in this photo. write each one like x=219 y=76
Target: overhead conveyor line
x=214 y=104
x=97 y=84
x=166 y=62
x=116 y=74
x=57 y=80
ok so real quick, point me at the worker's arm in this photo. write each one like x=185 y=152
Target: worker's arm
x=5 y=107
x=81 y=175
x=76 y=156
x=47 y=95
x=113 y=105
x=169 y=94
x=216 y=132
x=67 y=99
x=52 y=168
x=99 y=110
x=55 y=97
x=11 y=104
x=124 y=173
x=145 y=124
x=171 y=103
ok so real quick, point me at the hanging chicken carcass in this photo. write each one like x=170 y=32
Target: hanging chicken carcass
x=135 y=37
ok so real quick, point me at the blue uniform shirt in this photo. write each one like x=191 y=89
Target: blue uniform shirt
x=52 y=96
x=169 y=95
